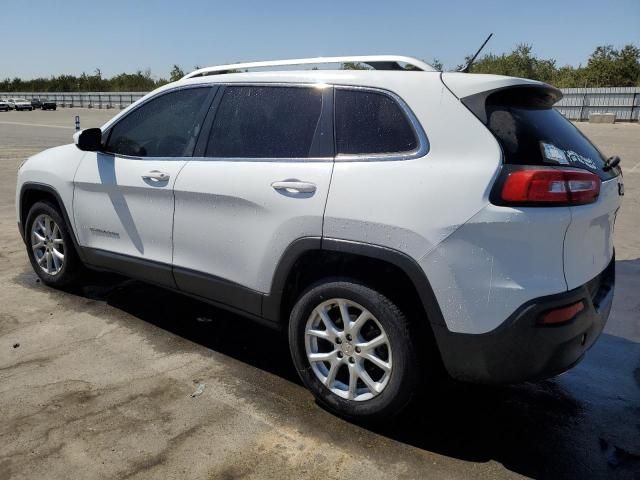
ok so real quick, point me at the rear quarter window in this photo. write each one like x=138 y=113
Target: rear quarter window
x=368 y=122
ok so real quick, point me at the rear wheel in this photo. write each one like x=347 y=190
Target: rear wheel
x=353 y=349
x=50 y=246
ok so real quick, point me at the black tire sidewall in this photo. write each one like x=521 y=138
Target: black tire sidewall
x=72 y=265
x=399 y=391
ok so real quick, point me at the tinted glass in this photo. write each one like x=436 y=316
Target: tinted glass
x=265 y=122
x=370 y=122
x=533 y=133
x=162 y=127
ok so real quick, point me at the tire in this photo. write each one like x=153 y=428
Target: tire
x=71 y=268
x=396 y=390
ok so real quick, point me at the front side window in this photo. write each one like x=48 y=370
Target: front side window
x=265 y=122
x=369 y=122
x=163 y=127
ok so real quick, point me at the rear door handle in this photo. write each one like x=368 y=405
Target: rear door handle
x=294 y=186
x=157 y=176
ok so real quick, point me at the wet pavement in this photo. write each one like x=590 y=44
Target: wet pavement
x=119 y=379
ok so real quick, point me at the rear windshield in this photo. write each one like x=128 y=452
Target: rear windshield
x=531 y=132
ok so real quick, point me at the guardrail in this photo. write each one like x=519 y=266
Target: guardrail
x=576 y=104
x=81 y=99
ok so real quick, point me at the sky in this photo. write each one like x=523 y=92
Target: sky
x=51 y=37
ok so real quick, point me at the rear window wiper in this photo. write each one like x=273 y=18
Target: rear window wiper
x=611 y=162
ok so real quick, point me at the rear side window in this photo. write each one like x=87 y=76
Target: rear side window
x=163 y=127
x=369 y=122
x=265 y=122
x=531 y=132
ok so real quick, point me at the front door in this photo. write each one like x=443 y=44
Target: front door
x=123 y=197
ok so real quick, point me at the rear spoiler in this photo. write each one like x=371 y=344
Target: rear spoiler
x=474 y=89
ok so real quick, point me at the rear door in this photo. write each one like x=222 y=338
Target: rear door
x=123 y=195
x=258 y=181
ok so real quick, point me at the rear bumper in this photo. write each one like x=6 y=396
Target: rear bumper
x=521 y=349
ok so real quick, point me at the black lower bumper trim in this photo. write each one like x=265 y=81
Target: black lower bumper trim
x=522 y=349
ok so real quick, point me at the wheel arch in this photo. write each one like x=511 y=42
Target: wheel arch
x=32 y=192
x=290 y=278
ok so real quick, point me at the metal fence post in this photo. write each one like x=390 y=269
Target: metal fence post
x=584 y=100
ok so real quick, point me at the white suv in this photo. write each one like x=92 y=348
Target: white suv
x=394 y=220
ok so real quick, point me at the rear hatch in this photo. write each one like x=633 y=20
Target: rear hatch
x=532 y=133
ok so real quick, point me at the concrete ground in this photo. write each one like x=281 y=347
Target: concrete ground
x=100 y=382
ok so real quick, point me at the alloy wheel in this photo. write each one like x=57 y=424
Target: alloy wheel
x=47 y=244
x=348 y=350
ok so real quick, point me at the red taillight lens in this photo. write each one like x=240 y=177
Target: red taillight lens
x=563 y=314
x=550 y=186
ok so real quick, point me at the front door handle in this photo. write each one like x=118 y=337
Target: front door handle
x=156 y=176
x=294 y=186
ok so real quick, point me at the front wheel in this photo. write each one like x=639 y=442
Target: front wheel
x=354 y=350
x=50 y=246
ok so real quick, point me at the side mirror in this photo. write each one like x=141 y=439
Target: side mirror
x=89 y=140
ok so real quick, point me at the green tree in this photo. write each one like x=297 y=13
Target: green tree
x=437 y=64
x=608 y=67
x=355 y=66
x=519 y=63
x=176 y=74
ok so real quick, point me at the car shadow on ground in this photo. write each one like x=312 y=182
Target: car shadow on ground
x=585 y=423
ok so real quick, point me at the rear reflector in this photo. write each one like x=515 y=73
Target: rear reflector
x=563 y=314
x=551 y=186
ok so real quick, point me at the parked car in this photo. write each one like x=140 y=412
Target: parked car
x=20 y=104
x=36 y=103
x=391 y=222
x=4 y=106
x=48 y=104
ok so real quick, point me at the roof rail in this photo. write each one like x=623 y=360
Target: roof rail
x=378 y=62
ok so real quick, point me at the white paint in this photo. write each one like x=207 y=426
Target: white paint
x=588 y=246
x=112 y=195
x=463 y=84
x=494 y=263
x=55 y=167
x=230 y=221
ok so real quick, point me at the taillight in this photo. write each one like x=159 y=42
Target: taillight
x=550 y=186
